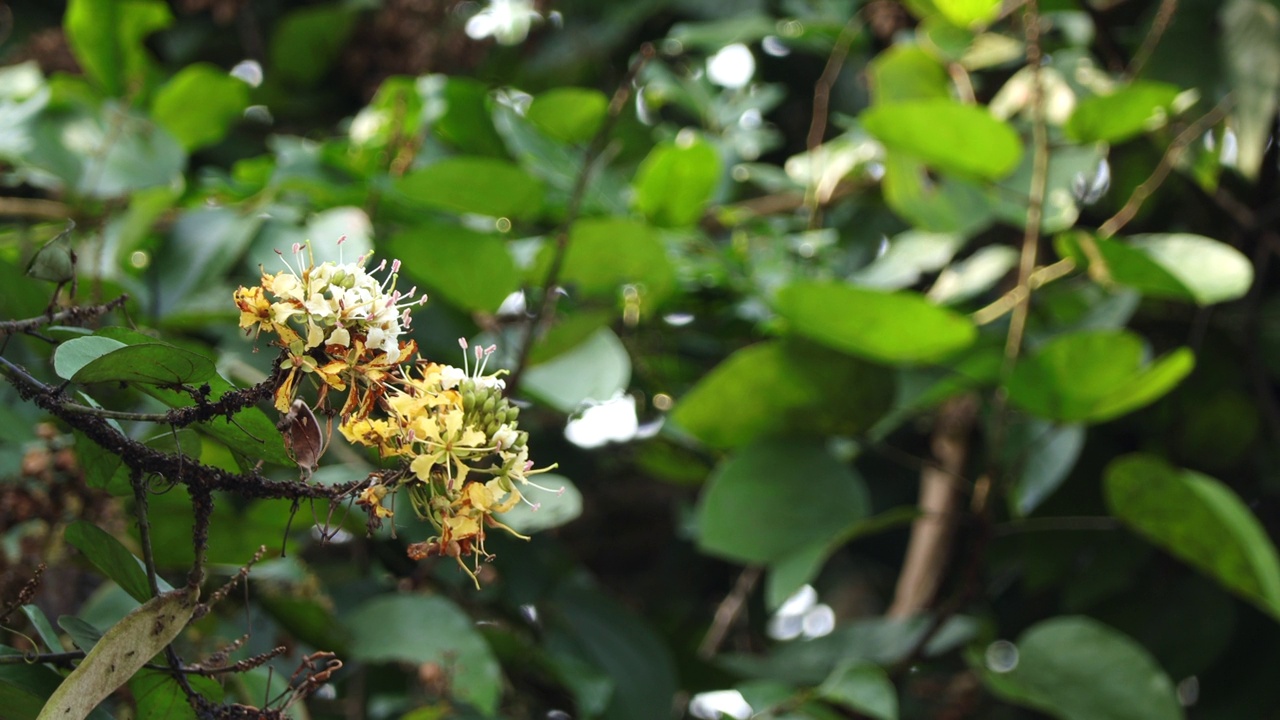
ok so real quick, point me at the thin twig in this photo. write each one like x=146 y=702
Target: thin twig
x=75 y=315
x=144 y=529
x=821 y=106
x=594 y=150
x=34 y=207
x=728 y=610
x=1159 y=24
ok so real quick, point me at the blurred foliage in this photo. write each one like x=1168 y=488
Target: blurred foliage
x=813 y=255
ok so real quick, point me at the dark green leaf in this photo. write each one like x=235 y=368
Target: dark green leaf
x=1124 y=114
x=1094 y=376
x=221 y=100
x=449 y=259
x=676 y=181
x=160 y=697
x=55 y=260
x=1075 y=668
x=568 y=114
x=1041 y=456
x=110 y=557
x=1199 y=520
x=148 y=363
x=945 y=204
x=483 y=186
x=773 y=497
x=423 y=629
x=606 y=253
x=83 y=634
x=862 y=687
x=784 y=388
x=947 y=135
x=24 y=688
x=43 y=628
x=897 y=327
x=308 y=41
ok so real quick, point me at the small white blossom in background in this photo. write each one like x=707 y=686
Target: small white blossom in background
x=732 y=67
x=720 y=704
x=507 y=21
x=248 y=71
x=802 y=615
x=613 y=420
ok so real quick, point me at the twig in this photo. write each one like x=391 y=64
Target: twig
x=821 y=105
x=594 y=150
x=1159 y=24
x=929 y=547
x=728 y=610
x=34 y=207
x=75 y=315
x=1140 y=194
x=144 y=529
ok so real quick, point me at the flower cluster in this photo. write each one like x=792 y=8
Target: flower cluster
x=463 y=458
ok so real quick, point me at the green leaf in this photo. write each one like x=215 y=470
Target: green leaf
x=450 y=259
x=1198 y=519
x=55 y=261
x=773 y=497
x=148 y=363
x=1211 y=271
x=423 y=629
x=968 y=13
x=1061 y=209
x=1126 y=113
x=1041 y=455
x=786 y=387
x=947 y=135
x=676 y=181
x=75 y=354
x=221 y=100
x=125 y=648
x=1094 y=376
x=460 y=108
x=907 y=72
x=1250 y=40
x=569 y=114
x=82 y=633
x=605 y=253
x=1075 y=668
x=945 y=204
x=890 y=327
x=110 y=557
x=598 y=369
x=306 y=43
x=160 y=697
x=43 y=628
x=862 y=687
x=106 y=37
x=483 y=186
x=24 y=688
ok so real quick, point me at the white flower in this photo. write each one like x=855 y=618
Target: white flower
x=732 y=67
x=507 y=21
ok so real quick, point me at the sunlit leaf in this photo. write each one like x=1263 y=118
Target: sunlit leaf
x=897 y=327
x=568 y=114
x=469 y=269
x=106 y=37
x=220 y=98
x=1127 y=112
x=1251 y=43
x=483 y=186
x=676 y=180
x=947 y=135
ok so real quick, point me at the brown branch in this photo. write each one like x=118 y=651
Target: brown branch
x=1159 y=24
x=34 y=207
x=929 y=547
x=821 y=106
x=728 y=610
x=71 y=316
x=546 y=306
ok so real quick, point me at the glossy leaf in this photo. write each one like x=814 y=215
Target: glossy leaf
x=1075 y=668
x=1211 y=271
x=1251 y=45
x=1198 y=519
x=1041 y=457
x=1094 y=376
x=220 y=98
x=445 y=258
x=395 y=628
x=1122 y=115
x=124 y=649
x=568 y=114
x=774 y=497
x=107 y=36
x=897 y=327
x=947 y=135
x=149 y=363
x=907 y=72
x=784 y=388
x=482 y=186
x=863 y=688
x=43 y=628
x=676 y=181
